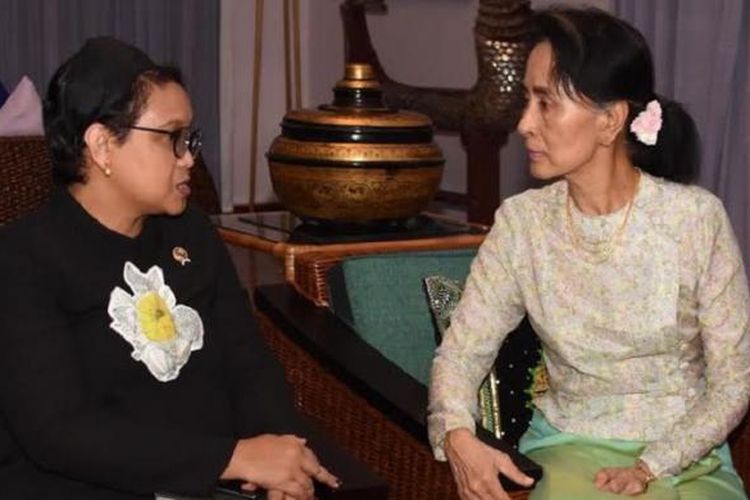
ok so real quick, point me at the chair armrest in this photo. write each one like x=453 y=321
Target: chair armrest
x=361 y=367
x=339 y=349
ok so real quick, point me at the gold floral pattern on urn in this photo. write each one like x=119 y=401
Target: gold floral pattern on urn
x=355 y=160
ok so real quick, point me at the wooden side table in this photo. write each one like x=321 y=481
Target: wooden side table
x=307 y=252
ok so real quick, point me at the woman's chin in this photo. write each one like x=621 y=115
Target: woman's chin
x=542 y=171
x=175 y=207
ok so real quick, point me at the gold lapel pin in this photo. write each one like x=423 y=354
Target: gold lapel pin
x=180 y=255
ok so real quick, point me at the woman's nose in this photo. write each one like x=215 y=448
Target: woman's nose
x=187 y=160
x=525 y=123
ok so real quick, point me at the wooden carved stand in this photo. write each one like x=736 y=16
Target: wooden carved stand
x=483 y=115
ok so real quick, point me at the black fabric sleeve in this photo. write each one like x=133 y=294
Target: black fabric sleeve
x=260 y=395
x=51 y=416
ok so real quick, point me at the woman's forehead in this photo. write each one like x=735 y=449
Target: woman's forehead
x=539 y=67
x=167 y=103
x=541 y=79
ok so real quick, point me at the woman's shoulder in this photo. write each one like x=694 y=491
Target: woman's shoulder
x=687 y=199
x=688 y=212
x=34 y=232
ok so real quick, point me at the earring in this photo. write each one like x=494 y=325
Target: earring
x=107 y=171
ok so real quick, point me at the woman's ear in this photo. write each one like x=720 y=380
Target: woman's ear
x=612 y=121
x=98 y=139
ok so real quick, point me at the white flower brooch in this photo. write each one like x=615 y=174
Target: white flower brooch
x=162 y=332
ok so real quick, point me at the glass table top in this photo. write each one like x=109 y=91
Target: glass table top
x=285 y=227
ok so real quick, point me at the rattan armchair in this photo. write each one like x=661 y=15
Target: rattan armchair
x=25 y=175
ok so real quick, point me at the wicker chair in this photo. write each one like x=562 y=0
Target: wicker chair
x=26 y=178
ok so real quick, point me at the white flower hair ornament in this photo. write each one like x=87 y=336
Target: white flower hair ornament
x=647 y=124
x=162 y=332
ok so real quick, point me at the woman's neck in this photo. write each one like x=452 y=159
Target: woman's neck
x=108 y=209
x=604 y=187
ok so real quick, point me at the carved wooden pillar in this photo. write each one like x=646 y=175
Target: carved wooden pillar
x=482 y=145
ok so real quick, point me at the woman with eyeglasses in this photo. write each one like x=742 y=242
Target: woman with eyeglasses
x=130 y=363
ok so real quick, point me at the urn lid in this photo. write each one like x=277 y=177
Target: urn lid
x=357 y=114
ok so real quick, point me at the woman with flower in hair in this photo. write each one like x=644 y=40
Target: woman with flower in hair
x=630 y=275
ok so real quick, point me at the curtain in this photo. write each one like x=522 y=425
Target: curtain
x=37 y=35
x=265 y=48
x=701 y=56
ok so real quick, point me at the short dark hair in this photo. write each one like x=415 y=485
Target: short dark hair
x=605 y=59
x=106 y=82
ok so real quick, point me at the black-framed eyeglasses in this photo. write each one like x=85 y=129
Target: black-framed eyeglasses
x=183 y=139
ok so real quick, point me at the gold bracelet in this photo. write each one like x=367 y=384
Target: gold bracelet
x=643 y=467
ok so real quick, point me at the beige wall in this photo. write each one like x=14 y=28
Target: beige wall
x=421 y=42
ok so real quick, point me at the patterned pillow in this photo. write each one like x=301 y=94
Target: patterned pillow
x=443 y=295
x=522 y=367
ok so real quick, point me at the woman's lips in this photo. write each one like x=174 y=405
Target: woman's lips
x=184 y=188
x=535 y=155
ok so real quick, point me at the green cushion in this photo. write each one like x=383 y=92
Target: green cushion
x=382 y=298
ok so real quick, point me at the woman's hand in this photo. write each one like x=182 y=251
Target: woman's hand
x=475 y=467
x=624 y=480
x=278 y=495
x=284 y=465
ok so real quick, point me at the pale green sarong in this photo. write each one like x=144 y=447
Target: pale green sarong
x=571 y=461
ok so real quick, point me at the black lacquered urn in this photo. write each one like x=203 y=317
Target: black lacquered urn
x=355 y=160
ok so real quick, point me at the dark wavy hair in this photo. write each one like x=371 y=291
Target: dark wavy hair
x=604 y=59
x=65 y=125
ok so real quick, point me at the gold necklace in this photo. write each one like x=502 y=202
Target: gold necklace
x=599 y=251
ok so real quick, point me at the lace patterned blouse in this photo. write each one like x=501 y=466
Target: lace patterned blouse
x=650 y=344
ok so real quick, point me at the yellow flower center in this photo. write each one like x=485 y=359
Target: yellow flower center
x=155 y=318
